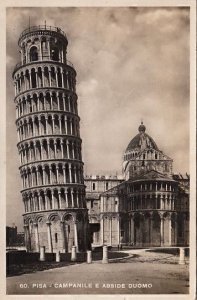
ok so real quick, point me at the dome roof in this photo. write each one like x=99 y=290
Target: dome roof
x=141 y=141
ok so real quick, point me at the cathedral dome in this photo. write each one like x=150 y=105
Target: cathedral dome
x=141 y=141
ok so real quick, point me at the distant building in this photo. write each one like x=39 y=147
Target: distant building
x=95 y=186
x=150 y=207
x=14 y=238
x=11 y=235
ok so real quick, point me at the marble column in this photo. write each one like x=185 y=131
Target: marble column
x=64 y=246
x=86 y=231
x=53 y=124
x=51 y=100
x=151 y=230
x=162 y=229
x=170 y=230
x=36 y=78
x=66 y=197
x=70 y=174
x=60 y=199
x=60 y=125
x=110 y=231
x=102 y=230
x=75 y=174
x=67 y=150
x=72 y=198
x=132 y=229
x=64 y=174
x=50 y=246
x=175 y=231
x=37 y=237
x=76 y=236
x=71 y=126
x=64 y=99
x=50 y=78
x=56 y=78
x=27 y=237
x=46 y=201
x=161 y=202
x=102 y=205
x=105 y=255
x=58 y=101
x=77 y=196
x=30 y=82
x=66 y=125
x=62 y=77
x=53 y=200
x=40 y=51
x=55 y=149
x=39 y=199
x=57 y=174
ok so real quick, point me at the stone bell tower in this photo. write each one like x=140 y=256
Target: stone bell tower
x=49 y=143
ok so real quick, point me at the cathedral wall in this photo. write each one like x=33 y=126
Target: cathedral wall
x=114 y=231
x=139 y=167
x=100 y=184
x=56 y=234
x=166 y=232
x=56 y=231
x=106 y=230
x=43 y=240
x=156 y=237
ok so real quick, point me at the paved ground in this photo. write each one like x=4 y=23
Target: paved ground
x=143 y=273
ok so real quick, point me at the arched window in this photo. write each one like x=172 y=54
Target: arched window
x=33 y=53
x=55 y=53
x=23 y=52
x=166 y=168
x=33 y=79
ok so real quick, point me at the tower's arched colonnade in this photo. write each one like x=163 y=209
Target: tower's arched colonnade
x=56 y=230
x=147 y=211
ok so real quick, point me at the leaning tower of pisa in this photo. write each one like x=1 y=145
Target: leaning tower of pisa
x=49 y=143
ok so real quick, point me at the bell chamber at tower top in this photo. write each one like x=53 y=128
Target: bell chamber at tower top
x=43 y=60
x=42 y=43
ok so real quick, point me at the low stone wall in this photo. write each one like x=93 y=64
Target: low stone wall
x=23 y=257
x=81 y=256
x=173 y=251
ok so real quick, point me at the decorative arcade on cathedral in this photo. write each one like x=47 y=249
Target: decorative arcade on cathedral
x=49 y=143
x=148 y=208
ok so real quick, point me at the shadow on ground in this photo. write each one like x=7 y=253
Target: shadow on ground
x=20 y=269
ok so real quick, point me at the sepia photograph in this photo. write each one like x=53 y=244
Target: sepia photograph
x=98 y=129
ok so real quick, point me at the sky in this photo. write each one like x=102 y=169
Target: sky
x=132 y=64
